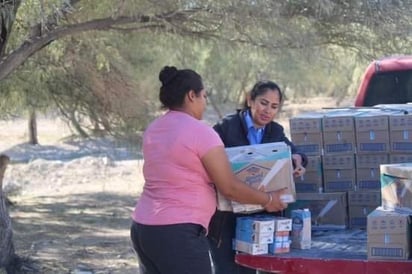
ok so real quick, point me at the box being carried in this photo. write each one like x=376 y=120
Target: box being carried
x=264 y=166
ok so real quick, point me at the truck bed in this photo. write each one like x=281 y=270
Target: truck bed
x=332 y=251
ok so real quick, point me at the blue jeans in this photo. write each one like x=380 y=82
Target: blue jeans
x=171 y=249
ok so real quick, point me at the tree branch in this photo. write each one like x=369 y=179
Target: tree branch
x=33 y=43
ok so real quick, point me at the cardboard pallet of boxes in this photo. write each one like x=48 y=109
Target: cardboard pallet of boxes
x=375 y=177
x=354 y=143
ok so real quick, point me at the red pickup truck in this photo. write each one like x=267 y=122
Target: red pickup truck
x=386 y=81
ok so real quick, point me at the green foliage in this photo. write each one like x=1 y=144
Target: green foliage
x=108 y=81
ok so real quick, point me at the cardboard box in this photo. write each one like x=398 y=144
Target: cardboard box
x=339 y=180
x=400 y=120
x=339 y=120
x=397 y=158
x=388 y=235
x=314 y=163
x=256 y=223
x=371 y=120
x=372 y=141
x=358 y=215
x=310 y=143
x=368 y=170
x=371 y=160
x=310 y=182
x=400 y=131
x=339 y=131
x=364 y=198
x=372 y=131
x=264 y=166
x=396 y=186
x=401 y=140
x=306 y=132
x=328 y=210
x=368 y=178
x=339 y=142
x=253 y=249
x=344 y=161
x=339 y=173
x=306 y=122
x=361 y=203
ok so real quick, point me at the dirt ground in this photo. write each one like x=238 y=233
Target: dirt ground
x=73 y=215
x=70 y=214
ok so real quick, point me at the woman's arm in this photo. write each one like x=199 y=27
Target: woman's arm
x=218 y=167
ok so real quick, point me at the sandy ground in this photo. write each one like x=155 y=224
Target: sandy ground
x=73 y=200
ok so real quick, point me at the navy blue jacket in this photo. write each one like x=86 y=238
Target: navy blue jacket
x=233 y=132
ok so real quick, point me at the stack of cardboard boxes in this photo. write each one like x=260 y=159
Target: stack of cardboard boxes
x=389 y=226
x=366 y=157
x=346 y=148
x=359 y=175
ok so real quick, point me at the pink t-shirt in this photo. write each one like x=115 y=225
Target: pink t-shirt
x=177 y=187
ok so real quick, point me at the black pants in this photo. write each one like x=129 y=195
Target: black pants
x=171 y=249
x=221 y=233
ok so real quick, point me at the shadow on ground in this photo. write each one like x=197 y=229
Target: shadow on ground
x=80 y=231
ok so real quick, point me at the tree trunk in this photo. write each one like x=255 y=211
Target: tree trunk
x=215 y=107
x=7 y=254
x=33 y=128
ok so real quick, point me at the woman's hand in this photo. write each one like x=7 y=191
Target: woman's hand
x=297 y=163
x=275 y=202
x=299 y=171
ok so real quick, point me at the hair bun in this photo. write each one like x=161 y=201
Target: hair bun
x=167 y=74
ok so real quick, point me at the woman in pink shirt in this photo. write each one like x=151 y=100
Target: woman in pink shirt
x=183 y=159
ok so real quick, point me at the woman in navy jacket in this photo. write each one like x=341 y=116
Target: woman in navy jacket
x=252 y=125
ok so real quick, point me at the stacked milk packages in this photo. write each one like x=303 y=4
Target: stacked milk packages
x=262 y=234
x=281 y=241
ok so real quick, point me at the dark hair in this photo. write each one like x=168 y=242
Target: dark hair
x=261 y=87
x=176 y=83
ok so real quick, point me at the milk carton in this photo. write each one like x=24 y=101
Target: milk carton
x=301 y=228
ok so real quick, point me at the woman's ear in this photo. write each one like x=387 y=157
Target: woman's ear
x=191 y=95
